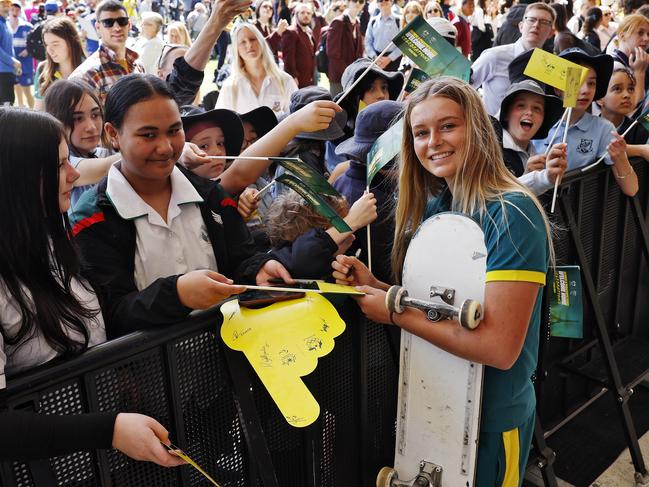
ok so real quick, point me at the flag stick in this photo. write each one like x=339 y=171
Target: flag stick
x=344 y=95
x=584 y=169
x=563 y=116
x=402 y=95
x=254 y=158
x=558 y=180
x=264 y=189
x=369 y=241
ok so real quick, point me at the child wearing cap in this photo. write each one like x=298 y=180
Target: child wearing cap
x=616 y=106
x=590 y=137
x=371 y=124
x=527 y=113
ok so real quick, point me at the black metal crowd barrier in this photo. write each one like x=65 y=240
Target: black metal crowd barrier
x=220 y=414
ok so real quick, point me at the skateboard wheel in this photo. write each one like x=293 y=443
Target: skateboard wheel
x=393 y=299
x=470 y=314
x=385 y=477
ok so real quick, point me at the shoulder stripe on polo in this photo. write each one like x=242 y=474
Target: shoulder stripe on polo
x=87 y=222
x=228 y=202
x=516 y=275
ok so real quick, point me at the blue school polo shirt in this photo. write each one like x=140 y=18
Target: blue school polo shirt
x=587 y=140
x=517 y=250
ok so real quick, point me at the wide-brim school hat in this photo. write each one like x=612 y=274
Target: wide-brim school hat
x=371 y=123
x=304 y=96
x=553 y=105
x=602 y=64
x=518 y=65
x=263 y=119
x=355 y=69
x=227 y=120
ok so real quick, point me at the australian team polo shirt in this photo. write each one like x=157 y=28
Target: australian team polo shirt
x=517 y=250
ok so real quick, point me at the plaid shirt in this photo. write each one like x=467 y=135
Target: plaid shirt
x=102 y=69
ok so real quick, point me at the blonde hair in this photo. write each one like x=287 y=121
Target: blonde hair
x=411 y=5
x=267 y=59
x=630 y=24
x=289 y=216
x=434 y=6
x=482 y=176
x=181 y=30
x=153 y=18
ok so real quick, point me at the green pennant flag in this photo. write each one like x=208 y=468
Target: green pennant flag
x=384 y=149
x=643 y=119
x=565 y=307
x=315 y=200
x=430 y=51
x=307 y=174
x=417 y=77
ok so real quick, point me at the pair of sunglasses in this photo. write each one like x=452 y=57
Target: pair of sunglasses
x=121 y=21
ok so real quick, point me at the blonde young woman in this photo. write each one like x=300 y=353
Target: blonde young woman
x=411 y=10
x=633 y=41
x=178 y=34
x=451 y=161
x=256 y=80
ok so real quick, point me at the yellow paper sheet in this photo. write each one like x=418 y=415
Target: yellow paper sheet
x=328 y=287
x=551 y=69
x=361 y=106
x=283 y=342
x=573 y=84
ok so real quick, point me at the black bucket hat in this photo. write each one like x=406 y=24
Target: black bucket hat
x=518 y=65
x=553 y=105
x=227 y=120
x=371 y=123
x=355 y=69
x=263 y=119
x=602 y=64
x=304 y=96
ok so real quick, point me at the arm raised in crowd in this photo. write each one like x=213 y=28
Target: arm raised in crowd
x=223 y=11
x=243 y=172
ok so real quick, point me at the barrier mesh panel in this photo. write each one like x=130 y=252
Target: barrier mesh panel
x=213 y=437
x=136 y=385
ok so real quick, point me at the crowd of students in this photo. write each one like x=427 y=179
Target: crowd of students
x=130 y=199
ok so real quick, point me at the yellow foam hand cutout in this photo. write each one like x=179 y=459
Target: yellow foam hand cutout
x=283 y=342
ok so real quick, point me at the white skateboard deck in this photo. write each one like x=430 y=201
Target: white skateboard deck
x=438 y=416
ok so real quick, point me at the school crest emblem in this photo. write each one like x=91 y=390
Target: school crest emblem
x=585 y=146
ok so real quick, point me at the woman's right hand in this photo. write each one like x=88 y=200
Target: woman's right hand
x=282 y=25
x=315 y=116
x=139 y=437
x=350 y=271
x=362 y=212
x=204 y=288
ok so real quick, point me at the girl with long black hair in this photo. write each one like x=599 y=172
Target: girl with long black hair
x=46 y=308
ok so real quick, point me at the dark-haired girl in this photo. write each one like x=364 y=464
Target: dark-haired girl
x=63 y=54
x=46 y=308
x=157 y=241
x=589 y=28
x=75 y=104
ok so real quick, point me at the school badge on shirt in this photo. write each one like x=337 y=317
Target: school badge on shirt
x=585 y=146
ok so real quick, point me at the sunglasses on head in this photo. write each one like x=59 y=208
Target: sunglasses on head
x=121 y=21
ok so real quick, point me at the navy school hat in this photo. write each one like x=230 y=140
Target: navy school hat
x=263 y=119
x=354 y=70
x=602 y=64
x=371 y=123
x=227 y=120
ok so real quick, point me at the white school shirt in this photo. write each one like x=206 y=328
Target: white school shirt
x=162 y=249
x=34 y=350
x=241 y=98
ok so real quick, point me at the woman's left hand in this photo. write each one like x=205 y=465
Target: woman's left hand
x=373 y=304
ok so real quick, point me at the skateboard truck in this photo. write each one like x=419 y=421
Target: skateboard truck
x=444 y=293
x=468 y=314
x=430 y=475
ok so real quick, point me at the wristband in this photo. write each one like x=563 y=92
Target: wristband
x=392 y=318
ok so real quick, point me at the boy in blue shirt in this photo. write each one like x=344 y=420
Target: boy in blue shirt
x=590 y=137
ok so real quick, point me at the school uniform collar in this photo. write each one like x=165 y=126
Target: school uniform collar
x=584 y=123
x=129 y=205
x=509 y=143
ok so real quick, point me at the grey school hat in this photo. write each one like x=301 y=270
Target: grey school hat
x=553 y=105
x=304 y=96
x=371 y=123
